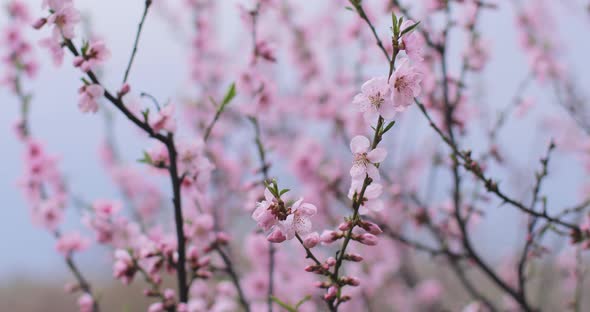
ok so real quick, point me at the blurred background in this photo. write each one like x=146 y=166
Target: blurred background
x=28 y=258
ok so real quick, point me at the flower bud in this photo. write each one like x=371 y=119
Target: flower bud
x=353 y=257
x=331 y=261
x=345 y=226
x=78 y=60
x=331 y=294
x=371 y=227
x=39 y=23
x=311 y=240
x=367 y=239
x=124 y=89
x=276 y=237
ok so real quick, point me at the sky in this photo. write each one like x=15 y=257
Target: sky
x=75 y=137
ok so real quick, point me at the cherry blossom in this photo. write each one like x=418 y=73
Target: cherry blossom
x=365 y=159
x=89 y=96
x=405 y=85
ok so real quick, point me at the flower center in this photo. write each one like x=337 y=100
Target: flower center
x=361 y=159
x=400 y=83
x=376 y=100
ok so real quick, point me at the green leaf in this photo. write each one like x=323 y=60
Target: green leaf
x=393 y=19
x=409 y=29
x=302 y=301
x=146 y=158
x=283 y=192
x=231 y=93
x=283 y=304
x=388 y=127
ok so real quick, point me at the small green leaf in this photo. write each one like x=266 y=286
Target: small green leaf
x=388 y=127
x=302 y=301
x=231 y=93
x=283 y=192
x=283 y=304
x=393 y=21
x=146 y=158
x=409 y=29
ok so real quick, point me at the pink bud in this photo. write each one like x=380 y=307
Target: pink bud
x=345 y=226
x=371 y=227
x=124 y=89
x=353 y=257
x=223 y=238
x=331 y=294
x=39 y=23
x=311 y=240
x=276 y=237
x=169 y=294
x=78 y=60
x=329 y=237
x=368 y=239
x=331 y=261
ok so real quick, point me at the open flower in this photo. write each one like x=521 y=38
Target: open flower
x=165 y=119
x=299 y=221
x=64 y=19
x=370 y=202
x=263 y=214
x=97 y=54
x=89 y=95
x=405 y=85
x=285 y=222
x=365 y=159
x=413 y=43
x=375 y=99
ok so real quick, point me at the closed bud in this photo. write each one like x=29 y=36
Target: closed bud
x=39 y=23
x=353 y=257
x=331 y=293
x=311 y=240
x=276 y=237
x=367 y=239
x=371 y=227
x=331 y=261
x=345 y=226
x=124 y=90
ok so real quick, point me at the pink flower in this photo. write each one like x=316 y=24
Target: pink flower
x=70 y=243
x=106 y=208
x=50 y=213
x=95 y=56
x=89 y=96
x=299 y=221
x=365 y=160
x=284 y=222
x=55 y=5
x=156 y=307
x=64 y=19
x=370 y=202
x=55 y=49
x=405 y=85
x=375 y=99
x=413 y=43
x=124 y=267
x=164 y=119
x=263 y=214
x=86 y=303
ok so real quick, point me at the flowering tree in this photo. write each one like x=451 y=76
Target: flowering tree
x=226 y=235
